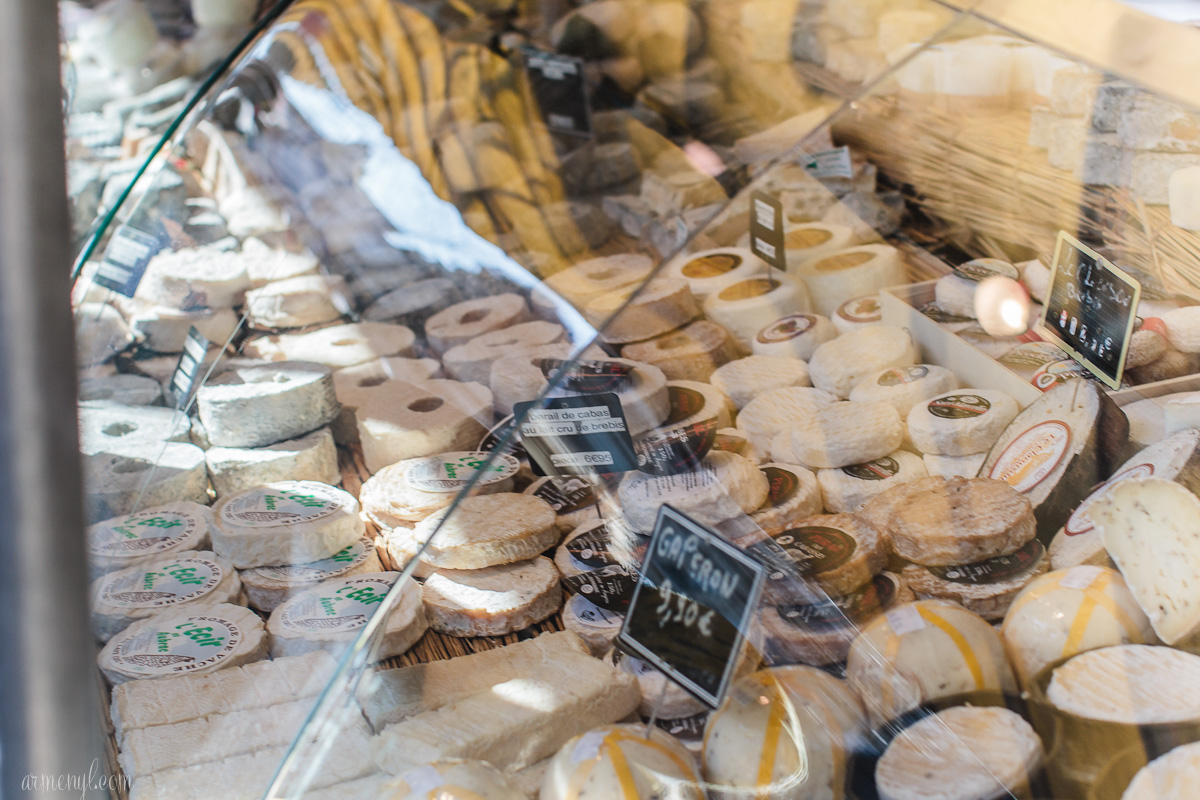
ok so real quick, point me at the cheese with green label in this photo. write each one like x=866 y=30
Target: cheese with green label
x=410 y=490
x=159 y=584
x=332 y=614
x=268 y=587
x=422 y=419
x=129 y=540
x=492 y=601
x=290 y=522
x=960 y=422
x=622 y=761
x=196 y=639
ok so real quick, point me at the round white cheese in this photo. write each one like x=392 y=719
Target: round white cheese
x=492 y=601
x=845 y=489
x=741 y=307
x=295 y=302
x=842 y=434
x=597 y=627
x=904 y=387
x=484 y=531
x=777 y=412
x=813 y=241
x=194 y=640
x=793 y=336
x=268 y=587
x=621 y=760
x=410 y=490
x=290 y=522
x=724 y=486
x=473 y=361
x=961 y=422
x=1131 y=684
x=709 y=271
x=336 y=346
x=953 y=466
x=260 y=405
x=1174 y=775
x=136 y=538
x=747 y=378
x=856 y=271
x=331 y=614
x=840 y=365
x=421 y=419
x=462 y=322
x=793 y=494
x=1183 y=196
x=857 y=313
x=454 y=779
x=582 y=282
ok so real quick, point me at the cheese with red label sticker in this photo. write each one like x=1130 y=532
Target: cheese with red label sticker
x=794 y=336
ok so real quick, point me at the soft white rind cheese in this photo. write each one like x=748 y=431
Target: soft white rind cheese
x=722 y=487
x=1176 y=774
x=607 y=757
x=129 y=540
x=1132 y=684
x=268 y=587
x=840 y=365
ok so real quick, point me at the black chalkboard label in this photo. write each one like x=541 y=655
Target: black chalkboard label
x=1091 y=308
x=696 y=597
x=576 y=435
x=560 y=90
x=183 y=379
x=766 y=229
x=126 y=259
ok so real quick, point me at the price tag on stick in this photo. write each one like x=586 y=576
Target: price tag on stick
x=560 y=90
x=1091 y=309
x=695 y=597
x=126 y=259
x=183 y=379
x=766 y=229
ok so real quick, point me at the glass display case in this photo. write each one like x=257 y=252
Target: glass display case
x=651 y=399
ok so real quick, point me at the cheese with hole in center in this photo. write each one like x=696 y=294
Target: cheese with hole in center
x=582 y=282
x=492 y=601
x=472 y=361
x=1149 y=529
x=164 y=583
x=421 y=419
x=261 y=405
x=337 y=346
x=777 y=412
x=920 y=652
x=794 y=336
x=741 y=307
x=1176 y=458
x=856 y=271
x=709 y=271
x=842 y=434
x=846 y=489
x=194 y=640
x=289 y=522
x=653 y=309
x=690 y=353
x=410 y=490
x=484 y=531
x=960 y=422
x=644 y=396
x=840 y=365
x=269 y=587
x=133 y=539
x=1070 y=611
x=330 y=616
x=353 y=385
x=296 y=302
x=904 y=387
x=195 y=278
x=462 y=322
x=622 y=761
x=992 y=753
x=747 y=378
x=1130 y=684
x=838 y=552
x=724 y=486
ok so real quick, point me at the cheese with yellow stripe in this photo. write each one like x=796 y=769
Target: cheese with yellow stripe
x=783 y=733
x=1067 y=612
x=924 y=651
x=620 y=762
x=453 y=779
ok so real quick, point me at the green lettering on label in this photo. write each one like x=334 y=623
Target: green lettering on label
x=366 y=595
x=327 y=606
x=148 y=580
x=159 y=522
x=185 y=575
x=164 y=640
x=345 y=554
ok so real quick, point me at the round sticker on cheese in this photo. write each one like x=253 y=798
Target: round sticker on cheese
x=994 y=570
x=818 y=548
x=711 y=266
x=959 y=406
x=1051 y=375
x=755 y=287
x=786 y=328
x=856 y=608
x=878 y=470
x=861 y=310
x=781 y=486
x=142 y=534
x=899 y=375
x=450 y=472
x=843 y=261
x=339 y=563
x=195 y=643
x=1033 y=455
x=163 y=586
x=340 y=610
x=275 y=505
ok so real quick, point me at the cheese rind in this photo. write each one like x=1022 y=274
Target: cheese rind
x=1172 y=775
x=842 y=434
x=261 y=405
x=492 y=601
x=689 y=353
x=747 y=378
x=311 y=457
x=420 y=419
x=778 y=411
x=841 y=364
x=622 y=760
x=269 y=587
x=960 y=423
x=462 y=322
x=452 y=779
x=904 y=387
x=132 y=539
x=722 y=487
x=847 y=489
x=1131 y=684
x=484 y=531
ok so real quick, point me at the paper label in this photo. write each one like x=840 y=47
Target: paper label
x=677 y=450
x=339 y=608
x=187 y=370
x=905 y=619
x=450 y=472
x=1080 y=521
x=590 y=376
x=766 y=230
x=164 y=585
x=196 y=643
x=994 y=570
x=787 y=328
x=338 y=564
x=959 y=406
x=782 y=486
x=899 y=375
x=125 y=260
x=142 y=534
x=856 y=608
x=590 y=549
x=281 y=504
x=1031 y=457
x=579 y=435
x=1051 y=375
x=560 y=90
x=1032 y=354
x=835 y=163
x=609 y=587
x=593 y=615
x=566 y=495
x=817 y=549
x=861 y=310
x=1080 y=577
x=687 y=729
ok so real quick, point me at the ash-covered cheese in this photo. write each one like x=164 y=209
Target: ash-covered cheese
x=312 y=457
x=194 y=640
x=261 y=405
x=1131 y=684
x=133 y=539
x=747 y=378
x=960 y=422
x=269 y=587
x=840 y=365
x=290 y=522
x=331 y=614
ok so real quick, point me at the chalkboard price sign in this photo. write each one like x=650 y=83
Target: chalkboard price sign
x=696 y=595
x=579 y=435
x=558 y=86
x=1091 y=308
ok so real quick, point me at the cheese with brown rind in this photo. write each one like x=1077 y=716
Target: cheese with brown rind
x=793 y=493
x=961 y=521
x=689 y=353
x=484 y=531
x=880 y=510
x=657 y=307
x=1130 y=684
x=841 y=364
x=987 y=587
x=492 y=601
x=842 y=434
x=410 y=490
x=839 y=552
x=747 y=378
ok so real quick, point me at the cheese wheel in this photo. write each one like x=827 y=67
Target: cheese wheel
x=410 y=490
x=840 y=365
x=1171 y=364
x=165 y=330
x=747 y=378
x=134 y=539
x=1130 y=684
x=656 y=308
x=453 y=779
x=597 y=627
x=986 y=587
x=296 y=302
x=690 y=353
x=961 y=521
x=582 y=282
x=953 y=466
x=693 y=402
x=837 y=277
x=484 y=531
x=793 y=336
x=595 y=545
x=904 y=387
x=410 y=305
x=268 y=587
x=857 y=313
x=955 y=292
x=421 y=419
x=194 y=277
x=923 y=651
x=353 y=385
x=1035 y=275
x=519 y=378
x=785 y=733
x=462 y=322
x=778 y=411
x=724 y=486
x=709 y=271
x=163 y=583
x=621 y=760
x=741 y=307
x=1145 y=346
x=839 y=552
x=1176 y=458
x=330 y=616
x=1183 y=328
x=842 y=434
x=644 y=397
x=793 y=494
x=473 y=360
x=492 y=601
x=846 y=489
x=117 y=482
x=197 y=639
x=336 y=346
x=960 y=423
x=813 y=241
x=1067 y=612
x=260 y=405
x=992 y=753
x=1177 y=773
x=289 y=522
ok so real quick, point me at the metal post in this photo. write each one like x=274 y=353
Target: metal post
x=49 y=730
